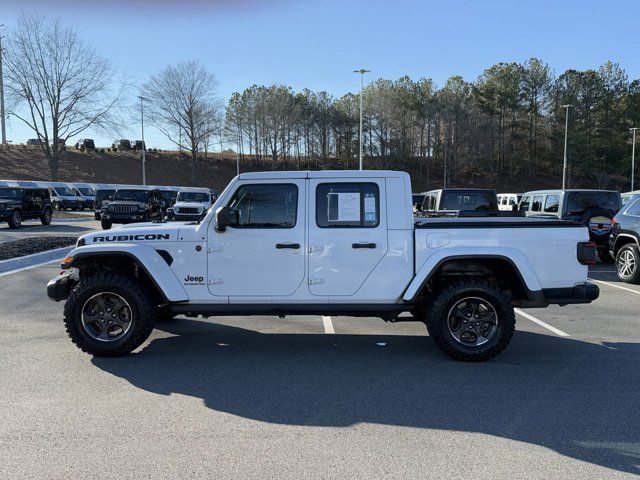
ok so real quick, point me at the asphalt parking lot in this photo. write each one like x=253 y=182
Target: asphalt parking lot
x=313 y=397
x=60 y=227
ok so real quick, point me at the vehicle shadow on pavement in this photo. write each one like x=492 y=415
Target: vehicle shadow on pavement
x=576 y=398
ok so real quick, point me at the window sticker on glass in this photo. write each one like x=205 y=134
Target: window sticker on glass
x=369 y=207
x=344 y=207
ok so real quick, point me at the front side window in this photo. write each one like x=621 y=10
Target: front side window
x=347 y=205
x=266 y=205
x=552 y=203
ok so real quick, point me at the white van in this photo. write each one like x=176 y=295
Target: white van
x=506 y=201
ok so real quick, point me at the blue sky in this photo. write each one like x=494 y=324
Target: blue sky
x=317 y=44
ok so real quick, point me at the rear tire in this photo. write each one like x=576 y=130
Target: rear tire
x=471 y=320
x=45 y=219
x=106 y=224
x=103 y=332
x=15 y=220
x=628 y=263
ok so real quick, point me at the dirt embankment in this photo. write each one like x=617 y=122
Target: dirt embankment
x=172 y=168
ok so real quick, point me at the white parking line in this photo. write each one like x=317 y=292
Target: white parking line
x=541 y=323
x=29 y=267
x=328 y=324
x=615 y=286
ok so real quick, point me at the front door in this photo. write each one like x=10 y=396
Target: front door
x=263 y=255
x=347 y=233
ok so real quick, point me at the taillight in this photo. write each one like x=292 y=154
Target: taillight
x=587 y=253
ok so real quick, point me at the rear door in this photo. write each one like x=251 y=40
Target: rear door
x=347 y=233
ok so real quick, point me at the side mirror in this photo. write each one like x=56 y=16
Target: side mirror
x=226 y=217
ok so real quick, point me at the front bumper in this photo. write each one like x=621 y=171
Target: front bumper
x=122 y=217
x=60 y=287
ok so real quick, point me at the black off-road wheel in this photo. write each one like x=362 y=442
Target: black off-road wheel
x=46 y=216
x=471 y=320
x=628 y=263
x=105 y=224
x=109 y=315
x=15 y=220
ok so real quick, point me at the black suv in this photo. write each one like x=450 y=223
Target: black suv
x=121 y=145
x=103 y=197
x=624 y=242
x=18 y=204
x=85 y=144
x=130 y=205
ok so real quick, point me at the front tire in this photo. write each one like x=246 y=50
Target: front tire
x=628 y=263
x=105 y=224
x=45 y=219
x=109 y=315
x=15 y=220
x=471 y=320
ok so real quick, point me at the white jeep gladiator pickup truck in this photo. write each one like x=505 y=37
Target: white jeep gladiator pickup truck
x=325 y=243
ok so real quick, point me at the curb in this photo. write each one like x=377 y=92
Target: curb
x=34 y=260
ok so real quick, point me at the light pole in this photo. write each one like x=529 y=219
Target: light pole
x=566 y=128
x=633 y=156
x=2 y=121
x=144 y=146
x=362 y=71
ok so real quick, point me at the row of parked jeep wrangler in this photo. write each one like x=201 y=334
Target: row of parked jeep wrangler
x=111 y=203
x=613 y=219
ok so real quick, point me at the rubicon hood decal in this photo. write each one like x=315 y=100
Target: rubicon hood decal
x=140 y=237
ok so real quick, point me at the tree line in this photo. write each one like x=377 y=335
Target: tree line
x=508 y=121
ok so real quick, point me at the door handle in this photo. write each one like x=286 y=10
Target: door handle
x=293 y=246
x=363 y=245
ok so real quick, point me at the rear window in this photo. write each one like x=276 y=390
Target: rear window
x=479 y=200
x=579 y=202
x=347 y=205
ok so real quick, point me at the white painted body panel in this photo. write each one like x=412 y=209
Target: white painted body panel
x=242 y=265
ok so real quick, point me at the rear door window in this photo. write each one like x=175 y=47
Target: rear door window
x=354 y=205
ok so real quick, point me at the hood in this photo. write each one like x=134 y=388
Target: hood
x=125 y=202
x=135 y=233
x=66 y=197
x=4 y=201
x=204 y=206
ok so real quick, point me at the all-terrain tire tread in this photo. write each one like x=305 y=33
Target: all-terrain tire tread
x=502 y=303
x=144 y=322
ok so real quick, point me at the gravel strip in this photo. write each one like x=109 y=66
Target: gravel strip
x=29 y=246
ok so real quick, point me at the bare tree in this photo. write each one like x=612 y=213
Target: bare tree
x=183 y=105
x=57 y=84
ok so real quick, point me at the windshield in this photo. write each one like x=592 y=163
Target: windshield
x=86 y=191
x=579 y=202
x=103 y=195
x=193 y=197
x=132 y=195
x=64 y=191
x=11 y=193
x=168 y=195
x=469 y=200
x=417 y=199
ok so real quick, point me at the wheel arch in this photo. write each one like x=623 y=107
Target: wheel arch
x=511 y=274
x=149 y=262
x=625 y=237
